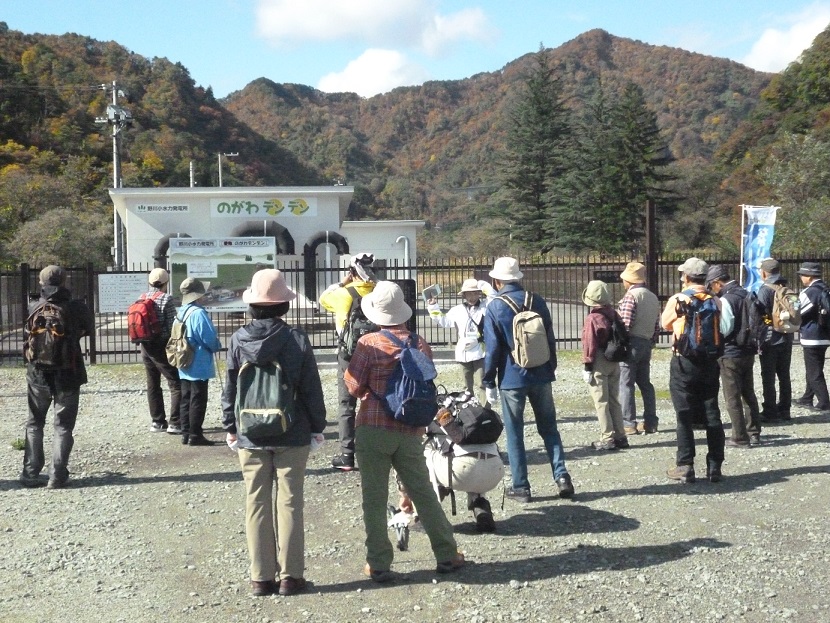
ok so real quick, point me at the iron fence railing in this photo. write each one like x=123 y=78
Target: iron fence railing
x=559 y=281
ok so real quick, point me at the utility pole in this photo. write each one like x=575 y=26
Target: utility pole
x=118 y=118
x=230 y=155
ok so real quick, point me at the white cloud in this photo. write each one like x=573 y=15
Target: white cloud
x=375 y=71
x=778 y=47
x=399 y=23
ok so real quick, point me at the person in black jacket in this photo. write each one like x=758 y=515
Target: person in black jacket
x=737 y=363
x=776 y=350
x=60 y=384
x=276 y=549
x=815 y=337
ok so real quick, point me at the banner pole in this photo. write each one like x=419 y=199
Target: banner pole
x=743 y=230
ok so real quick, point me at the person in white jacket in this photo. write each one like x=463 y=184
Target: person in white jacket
x=467 y=318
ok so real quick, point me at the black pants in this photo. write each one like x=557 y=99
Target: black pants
x=193 y=407
x=814 y=369
x=736 y=375
x=345 y=416
x=775 y=362
x=156 y=366
x=694 y=387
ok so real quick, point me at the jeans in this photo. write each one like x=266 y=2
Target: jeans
x=276 y=549
x=775 y=362
x=737 y=377
x=193 y=407
x=544 y=411
x=156 y=366
x=41 y=394
x=694 y=388
x=637 y=369
x=377 y=450
x=345 y=416
x=814 y=369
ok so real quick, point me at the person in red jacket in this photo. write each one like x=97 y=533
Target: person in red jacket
x=602 y=375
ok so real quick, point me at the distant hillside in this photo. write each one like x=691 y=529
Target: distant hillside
x=410 y=148
x=428 y=152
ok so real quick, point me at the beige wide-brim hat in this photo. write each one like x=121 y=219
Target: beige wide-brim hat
x=470 y=285
x=634 y=273
x=192 y=290
x=596 y=293
x=268 y=287
x=385 y=305
x=506 y=269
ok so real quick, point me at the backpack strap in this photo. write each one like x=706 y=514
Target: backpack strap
x=528 y=301
x=510 y=303
x=412 y=340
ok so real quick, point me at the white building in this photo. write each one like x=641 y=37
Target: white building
x=307 y=223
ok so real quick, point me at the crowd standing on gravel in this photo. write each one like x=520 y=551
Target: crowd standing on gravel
x=717 y=327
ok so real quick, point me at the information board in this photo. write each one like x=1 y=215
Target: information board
x=117 y=291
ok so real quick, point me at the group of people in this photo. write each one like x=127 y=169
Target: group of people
x=376 y=443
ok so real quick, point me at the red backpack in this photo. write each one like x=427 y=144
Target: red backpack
x=143 y=324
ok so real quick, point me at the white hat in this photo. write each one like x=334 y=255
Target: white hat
x=385 y=305
x=470 y=285
x=268 y=287
x=158 y=275
x=361 y=264
x=506 y=269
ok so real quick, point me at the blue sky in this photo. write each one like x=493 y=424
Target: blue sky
x=373 y=46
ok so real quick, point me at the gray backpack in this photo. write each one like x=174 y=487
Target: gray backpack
x=530 y=339
x=179 y=351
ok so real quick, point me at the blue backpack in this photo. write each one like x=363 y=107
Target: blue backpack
x=411 y=396
x=701 y=336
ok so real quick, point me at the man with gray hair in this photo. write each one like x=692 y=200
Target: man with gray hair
x=517 y=384
x=694 y=381
x=54 y=373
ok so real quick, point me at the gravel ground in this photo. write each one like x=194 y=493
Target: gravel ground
x=154 y=531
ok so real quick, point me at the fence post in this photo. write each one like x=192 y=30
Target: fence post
x=651 y=247
x=90 y=301
x=24 y=290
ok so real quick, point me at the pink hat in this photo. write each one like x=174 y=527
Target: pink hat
x=268 y=287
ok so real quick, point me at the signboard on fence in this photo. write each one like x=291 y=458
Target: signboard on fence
x=117 y=291
x=225 y=265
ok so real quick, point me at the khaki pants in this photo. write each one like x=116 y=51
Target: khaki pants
x=605 y=392
x=276 y=550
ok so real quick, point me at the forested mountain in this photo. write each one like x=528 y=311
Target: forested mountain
x=429 y=152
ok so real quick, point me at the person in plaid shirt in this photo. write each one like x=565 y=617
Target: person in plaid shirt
x=382 y=443
x=154 y=356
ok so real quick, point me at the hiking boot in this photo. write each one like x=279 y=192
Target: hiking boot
x=803 y=402
x=607 y=445
x=158 y=427
x=632 y=430
x=649 y=430
x=185 y=438
x=31 y=482
x=683 y=473
x=263 y=589
x=565 y=486
x=172 y=429
x=713 y=472
x=378 y=576
x=292 y=586
x=451 y=565
x=755 y=440
x=520 y=494
x=343 y=462
x=732 y=443
x=54 y=483
x=199 y=440
x=483 y=514
x=622 y=443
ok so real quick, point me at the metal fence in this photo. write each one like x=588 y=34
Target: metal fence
x=559 y=281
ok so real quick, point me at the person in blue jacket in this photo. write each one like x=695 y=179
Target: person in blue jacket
x=517 y=385
x=202 y=337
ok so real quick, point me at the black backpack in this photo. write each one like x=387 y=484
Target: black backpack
x=619 y=343
x=471 y=423
x=357 y=325
x=824 y=309
x=47 y=338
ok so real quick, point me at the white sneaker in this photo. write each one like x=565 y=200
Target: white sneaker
x=155 y=427
x=174 y=430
